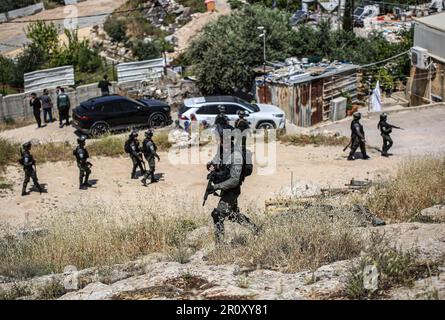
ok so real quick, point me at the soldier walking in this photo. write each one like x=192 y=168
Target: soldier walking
x=385 y=131
x=357 y=137
x=29 y=166
x=82 y=156
x=149 y=149
x=133 y=149
x=231 y=172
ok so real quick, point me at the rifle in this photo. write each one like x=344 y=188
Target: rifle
x=211 y=178
x=395 y=127
x=347 y=146
x=142 y=161
x=89 y=164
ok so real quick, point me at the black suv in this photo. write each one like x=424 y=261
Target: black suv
x=100 y=115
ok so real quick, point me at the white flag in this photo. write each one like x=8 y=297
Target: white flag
x=376 y=98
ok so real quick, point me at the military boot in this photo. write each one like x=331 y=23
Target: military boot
x=366 y=157
x=24 y=193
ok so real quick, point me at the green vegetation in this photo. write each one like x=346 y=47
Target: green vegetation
x=394 y=267
x=8 y=5
x=224 y=55
x=317 y=140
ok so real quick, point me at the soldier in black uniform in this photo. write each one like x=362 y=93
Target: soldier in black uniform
x=221 y=119
x=29 y=166
x=357 y=137
x=385 y=131
x=149 y=149
x=242 y=125
x=133 y=149
x=230 y=169
x=82 y=156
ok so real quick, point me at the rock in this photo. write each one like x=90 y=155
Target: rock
x=434 y=214
x=229 y=292
x=93 y=291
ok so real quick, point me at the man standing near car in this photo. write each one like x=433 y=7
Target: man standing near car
x=63 y=105
x=104 y=86
x=47 y=106
x=149 y=149
x=132 y=148
x=36 y=106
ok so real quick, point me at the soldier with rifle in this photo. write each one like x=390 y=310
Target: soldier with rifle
x=29 y=166
x=149 y=149
x=132 y=148
x=83 y=164
x=227 y=172
x=385 y=131
x=357 y=137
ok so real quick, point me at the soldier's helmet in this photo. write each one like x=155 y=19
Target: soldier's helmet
x=384 y=116
x=27 y=145
x=242 y=113
x=221 y=109
x=149 y=133
x=357 y=115
x=82 y=139
x=134 y=134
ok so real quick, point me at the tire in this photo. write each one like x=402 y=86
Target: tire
x=99 y=129
x=157 y=120
x=266 y=125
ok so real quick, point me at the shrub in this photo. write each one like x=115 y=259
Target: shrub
x=317 y=140
x=417 y=184
x=116 y=28
x=145 y=50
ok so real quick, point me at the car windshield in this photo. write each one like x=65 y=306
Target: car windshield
x=250 y=107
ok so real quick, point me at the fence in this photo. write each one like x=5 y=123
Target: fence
x=49 y=78
x=140 y=70
x=16 y=106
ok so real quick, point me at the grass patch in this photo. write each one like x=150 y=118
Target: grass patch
x=17 y=291
x=317 y=140
x=417 y=184
x=10 y=123
x=293 y=242
x=52 y=290
x=98 y=235
x=394 y=267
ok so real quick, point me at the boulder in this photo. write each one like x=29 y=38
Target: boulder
x=93 y=291
x=434 y=214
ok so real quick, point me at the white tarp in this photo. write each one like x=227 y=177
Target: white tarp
x=376 y=98
x=49 y=78
x=140 y=70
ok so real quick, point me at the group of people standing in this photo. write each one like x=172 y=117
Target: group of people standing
x=45 y=103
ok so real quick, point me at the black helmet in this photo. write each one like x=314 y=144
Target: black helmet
x=81 y=139
x=149 y=133
x=133 y=134
x=383 y=116
x=27 y=145
x=242 y=113
x=357 y=115
x=221 y=109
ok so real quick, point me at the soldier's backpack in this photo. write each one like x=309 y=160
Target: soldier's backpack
x=127 y=147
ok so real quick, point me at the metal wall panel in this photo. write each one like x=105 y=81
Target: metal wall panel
x=140 y=70
x=49 y=78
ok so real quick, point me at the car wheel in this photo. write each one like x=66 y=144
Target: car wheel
x=266 y=126
x=99 y=129
x=157 y=120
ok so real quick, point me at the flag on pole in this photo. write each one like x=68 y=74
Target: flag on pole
x=376 y=98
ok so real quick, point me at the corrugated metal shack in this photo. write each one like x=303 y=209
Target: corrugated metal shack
x=305 y=91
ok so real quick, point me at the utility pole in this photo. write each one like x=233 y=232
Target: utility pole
x=264 y=52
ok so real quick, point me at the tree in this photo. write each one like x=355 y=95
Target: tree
x=348 y=23
x=145 y=50
x=226 y=51
x=43 y=35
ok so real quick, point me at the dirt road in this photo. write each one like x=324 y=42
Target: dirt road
x=326 y=166
x=12 y=35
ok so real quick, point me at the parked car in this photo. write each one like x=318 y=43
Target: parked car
x=261 y=116
x=100 y=115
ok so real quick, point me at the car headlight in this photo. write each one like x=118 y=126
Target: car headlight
x=279 y=115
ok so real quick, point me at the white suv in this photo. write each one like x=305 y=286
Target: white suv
x=260 y=116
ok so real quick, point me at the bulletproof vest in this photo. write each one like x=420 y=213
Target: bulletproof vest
x=241 y=124
x=356 y=123
x=81 y=154
x=146 y=148
x=384 y=127
x=27 y=160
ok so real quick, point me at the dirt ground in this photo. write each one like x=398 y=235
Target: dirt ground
x=326 y=166
x=13 y=34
